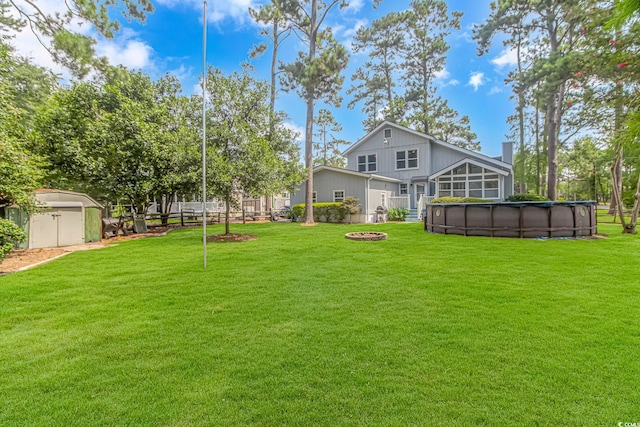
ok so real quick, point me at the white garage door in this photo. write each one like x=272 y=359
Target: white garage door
x=57 y=227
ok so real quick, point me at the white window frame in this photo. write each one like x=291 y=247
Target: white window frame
x=375 y=168
x=385 y=133
x=363 y=163
x=406 y=159
x=383 y=199
x=314 y=197
x=406 y=186
x=366 y=163
x=338 y=191
x=448 y=178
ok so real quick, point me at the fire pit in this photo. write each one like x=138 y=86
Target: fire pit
x=366 y=235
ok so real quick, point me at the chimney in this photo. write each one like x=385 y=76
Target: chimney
x=507 y=152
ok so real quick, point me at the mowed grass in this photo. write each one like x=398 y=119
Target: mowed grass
x=304 y=327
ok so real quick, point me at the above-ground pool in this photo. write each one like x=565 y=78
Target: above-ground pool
x=513 y=219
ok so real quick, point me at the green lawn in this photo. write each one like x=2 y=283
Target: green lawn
x=304 y=327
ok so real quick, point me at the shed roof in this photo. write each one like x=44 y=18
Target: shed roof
x=360 y=174
x=54 y=197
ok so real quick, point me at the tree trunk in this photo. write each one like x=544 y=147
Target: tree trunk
x=227 y=214
x=616 y=192
x=553 y=119
x=308 y=144
x=274 y=65
x=631 y=228
x=617 y=124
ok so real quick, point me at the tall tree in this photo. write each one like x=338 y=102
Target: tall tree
x=427 y=24
x=121 y=140
x=553 y=25
x=71 y=49
x=376 y=79
x=277 y=30
x=315 y=74
x=20 y=169
x=453 y=129
x=327 y=146
x=247 y=152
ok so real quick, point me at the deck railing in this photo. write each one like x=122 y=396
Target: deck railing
x=400 y=202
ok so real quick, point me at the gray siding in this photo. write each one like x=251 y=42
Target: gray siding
x=443 y=157
x=325 y=182
x=386 y=153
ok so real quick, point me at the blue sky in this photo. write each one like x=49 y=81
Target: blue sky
x=171 y=41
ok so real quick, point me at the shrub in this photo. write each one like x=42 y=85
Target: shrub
x=322 y=212
x=10 y=233
x=351 y=206
x=459 y=200
x=526 y=198
x=397 y=214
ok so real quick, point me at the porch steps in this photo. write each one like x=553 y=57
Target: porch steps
x=413 y=216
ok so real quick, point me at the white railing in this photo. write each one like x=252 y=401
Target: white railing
x=400 y=202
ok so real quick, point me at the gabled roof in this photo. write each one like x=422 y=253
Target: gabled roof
x=470 y=153
x=354 y=173
x=472 y=161
x=51 y=196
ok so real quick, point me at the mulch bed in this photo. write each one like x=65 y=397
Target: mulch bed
x=232 y=237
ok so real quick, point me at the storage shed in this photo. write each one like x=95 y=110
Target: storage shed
x=67 y=218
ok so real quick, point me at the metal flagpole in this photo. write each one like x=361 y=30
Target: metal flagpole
x=204 y=135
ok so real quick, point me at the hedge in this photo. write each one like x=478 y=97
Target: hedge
x=459 y=200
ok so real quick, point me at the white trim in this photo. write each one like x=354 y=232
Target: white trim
x=354 y=173
x=406 y=159
x=400 y=193
x=386 y=123
x=314 y=197
x=468 y=160
x=343 y=195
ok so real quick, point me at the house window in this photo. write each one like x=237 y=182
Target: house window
x=362 y=163
x=407 y=159
x=315 y=196
x=338 y=195
x=387 y=133
x=368 y=163
x=285 y=195
x=372 y=163
x=404 y=188
x=469 y=180
x=383 y=199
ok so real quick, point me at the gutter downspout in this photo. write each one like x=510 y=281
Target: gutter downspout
x=366 y=200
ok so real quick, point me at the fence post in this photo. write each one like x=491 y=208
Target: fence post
x=181 y=218
x=243 y=218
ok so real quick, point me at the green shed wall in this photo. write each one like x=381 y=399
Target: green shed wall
x=92 y=225
x=21 y=218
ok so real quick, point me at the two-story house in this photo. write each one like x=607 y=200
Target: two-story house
x=394 y=166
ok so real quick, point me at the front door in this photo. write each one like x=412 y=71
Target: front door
x=419 y=192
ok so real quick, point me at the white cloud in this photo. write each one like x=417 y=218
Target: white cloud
x=443 y=77
x=355 y=5
x=125 y=49
x=217 y=11
x=298 y=130
x=507 y=58
x=476 y=80
x=349 y=33
x=442 y=74
x=130 y=53
x=494 y=90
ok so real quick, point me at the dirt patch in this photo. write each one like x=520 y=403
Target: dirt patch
x=233 y=237
x=20 y=259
